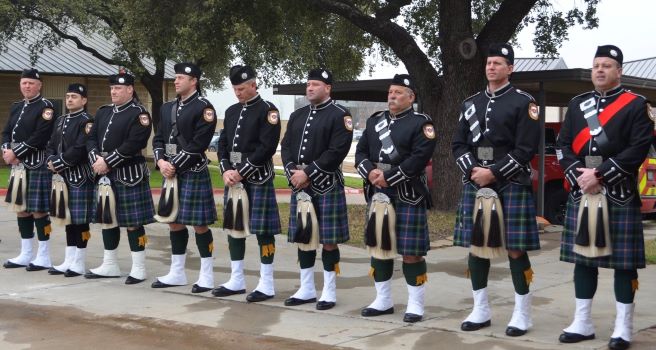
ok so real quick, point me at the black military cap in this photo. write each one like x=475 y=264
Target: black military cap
x=31 y=73
x=187 y=69
x=240 y=74
x=121 y=79
x=610 y=51
x=322 y=75
x=502 y=50
x=404 y=80
x=78 y=89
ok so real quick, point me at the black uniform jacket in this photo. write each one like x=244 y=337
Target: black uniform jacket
x=195 y=120
x=28 y=130
x=120 y=133
x=67 y=149
x=629 y=133
x=504 y=122
x=252 y=130
x=413 y=138
x=317 y=140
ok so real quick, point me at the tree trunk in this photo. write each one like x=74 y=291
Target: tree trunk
x=154 y=85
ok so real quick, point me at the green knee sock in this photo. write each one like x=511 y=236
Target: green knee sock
x=479 y=269
x=330 y=259
x=137 y=239
x=111 y=237
x=205 y=243
x=26 y=226
x=415 y=273
x=43 y=228
x=626 y=284
x=237 y=247
x=522 y=274
x=381 y=270
x=306 y=258
x=585 y=281
x=179 y=240
x=267 y=248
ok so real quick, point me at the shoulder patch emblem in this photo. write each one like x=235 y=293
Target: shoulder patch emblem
x=208 y=115
x=87 y=128
x=429 y=131
x=650 y=112
x=348 y=123
x=273 y=117
x=144 y=119
x=533 y=111
x=47 y=113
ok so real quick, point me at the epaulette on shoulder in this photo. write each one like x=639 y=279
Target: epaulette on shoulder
x=638 y=95
x=424 y=116
x=472 y=96
x=376 y=114
x=340 y=107
x=204 y=100
x=583 y=94
x=47 y=102
x=109 y=105
x=526 y=94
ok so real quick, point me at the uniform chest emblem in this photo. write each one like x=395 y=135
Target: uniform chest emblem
x=348 y=123
x=208 y=115
x=87 y=128
x=144 y=119
x=650 y=113
x=533 y=111
x=429 y=131
x=273 y=117
x=47 y=113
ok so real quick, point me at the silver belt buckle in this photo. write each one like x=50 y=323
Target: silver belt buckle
x=485 y=153
x=171 y=149
x=235 y=157
x=592 y=162
x=383 y=166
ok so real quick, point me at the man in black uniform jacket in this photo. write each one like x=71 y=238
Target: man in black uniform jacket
x=186 y=128
x=24 y=141
x=317 y=139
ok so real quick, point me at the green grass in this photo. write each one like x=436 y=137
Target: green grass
x=650 y=251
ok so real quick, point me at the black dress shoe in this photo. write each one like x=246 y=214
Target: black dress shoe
x=325 y=305
x=54 y=271
x=132 y=280
x=225 y=292
x=618 y=344
x=567 y=337
x=198 y=289
x=515 y=332
x=412 y=318
x=296 y=301
x=371 y=312
x=158 y=284
x=31 y=267
x=257 y=296
x=10 y=265
x=473 y=326
x=92 y=276
x=71 y=273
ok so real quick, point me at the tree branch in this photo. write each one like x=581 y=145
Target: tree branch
x=391 y=10
x=503 y=23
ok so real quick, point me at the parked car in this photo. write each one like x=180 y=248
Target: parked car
x=214 y=144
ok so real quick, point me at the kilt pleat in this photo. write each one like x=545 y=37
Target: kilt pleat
x=196 y=199
x=264 y=218
x=39 y=183
x=626 y=234
x=134 y=204
x=331 y=213
x=81 y=203
x=521 y=230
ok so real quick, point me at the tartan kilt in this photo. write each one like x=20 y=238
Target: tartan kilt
x=331 y=213
x=81 y=201
x=521 y=229
x=264 y=218
x=196 y=199
x=411 y=227
x=39 y=184
x=626 y=235
x=134 y=205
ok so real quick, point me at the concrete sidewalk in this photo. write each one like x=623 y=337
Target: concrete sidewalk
x=448 y=297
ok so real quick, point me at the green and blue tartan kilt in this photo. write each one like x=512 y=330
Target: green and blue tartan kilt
x=39 y=184
x=331 y=213
x=521 y=229
x=81 y=201
x=264 y=218
x=626 y=235
x=411 y=227
x=134 y=205
x=196 y=199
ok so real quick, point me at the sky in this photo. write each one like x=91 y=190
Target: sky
x=628 y=24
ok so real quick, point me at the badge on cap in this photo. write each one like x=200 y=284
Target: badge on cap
x=324 y=74
x=533 y=111
x=187 y=70
x=348 y=123
x=429 y=131
x=273 y=117
x=80 y=88
x=406 y=81
x=87 y=128
x=37 y=75
x=208 y=115
x=144 y=119
x=47 y=113
x=121 y=80
x=504 y=51
x=244 y=75
x=650 y=113
x=613 y=53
